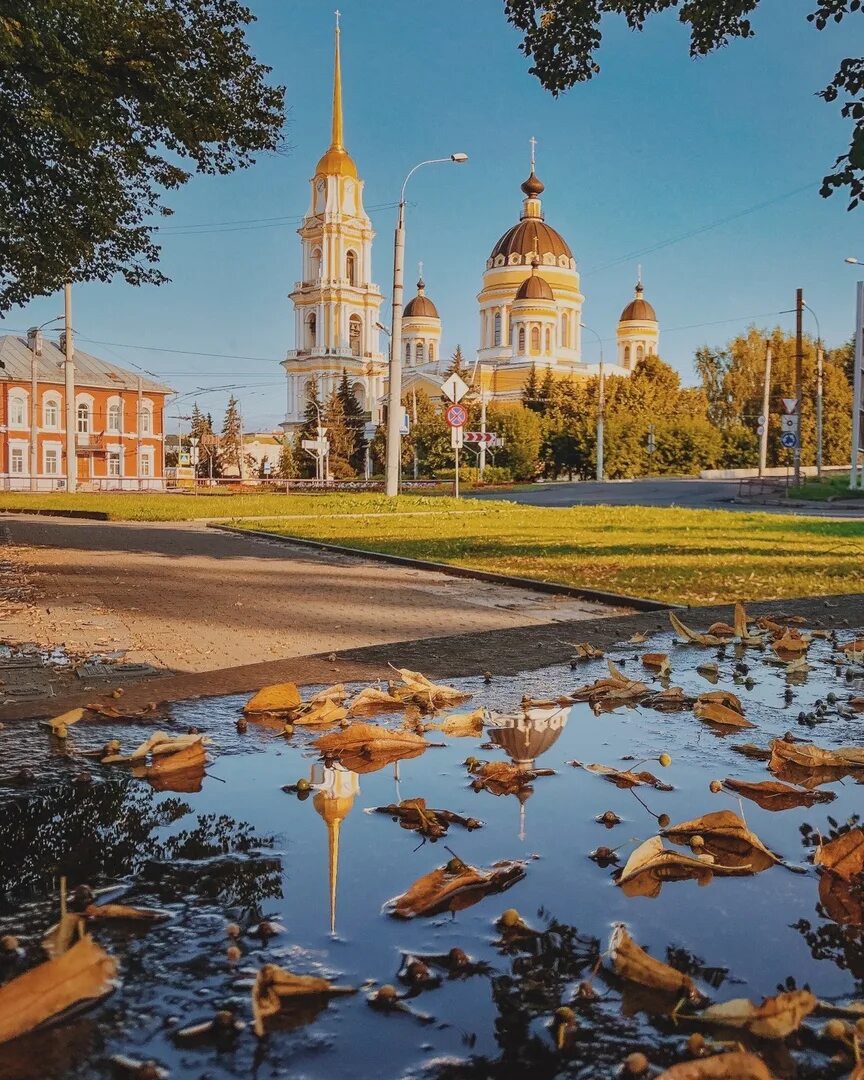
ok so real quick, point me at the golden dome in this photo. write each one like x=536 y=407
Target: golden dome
x=336 y=162
x=529 y=236
x=535 y=287
x=421 y=307
x=638 y=310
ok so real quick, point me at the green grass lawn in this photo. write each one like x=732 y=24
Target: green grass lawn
x=157 y=507
x=670 y=554
x=830 y=487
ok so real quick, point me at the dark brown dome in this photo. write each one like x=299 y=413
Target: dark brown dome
x=524 y=738
x=529 y=236
x=533 y=187
x=638 y=310
x=421 y=307
x=535 y=288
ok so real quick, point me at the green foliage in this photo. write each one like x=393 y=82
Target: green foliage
x=104 y=106
x=209 y=463
x=457 y=365
x=287 y=467
x=430 y=435
x=522 y=432
x=354 y=419
x=531 y=391
x=340 y=436
x=562 y=38
x=231 y=436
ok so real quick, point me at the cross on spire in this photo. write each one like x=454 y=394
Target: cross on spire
x=533 y=142
x=338 y=14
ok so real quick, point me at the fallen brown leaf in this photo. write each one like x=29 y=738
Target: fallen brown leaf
x=319 y=713
x=414 y=815
x=843 y=856
x=365 y=748
x=792 y=643
x=461 y=725
x=273 y=984
x=85 y=972
x=455 y=887
x=774 y=795
x=650 y=865
x=278 y=698
x=693 y=635
x=371 y=700
x=737 y=1065
x=631 y=962
x=715 y=713
x=586 y=651
x=427 y=694
x=623 y=778
x=775 y=1018
x=810 y=756
x=657 y=661
x=126 y=911
x=725 y=837
x=502 y=778
x=60 y=723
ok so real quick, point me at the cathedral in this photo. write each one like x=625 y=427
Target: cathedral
x=529 y=305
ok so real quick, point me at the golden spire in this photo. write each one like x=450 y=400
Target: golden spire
x=337 y=161
x=337 y=788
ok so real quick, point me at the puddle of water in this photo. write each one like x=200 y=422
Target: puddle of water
x=240 y=849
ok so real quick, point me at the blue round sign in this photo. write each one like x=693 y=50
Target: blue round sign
x=789 y=440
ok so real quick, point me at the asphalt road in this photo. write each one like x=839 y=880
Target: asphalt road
x=693 y=494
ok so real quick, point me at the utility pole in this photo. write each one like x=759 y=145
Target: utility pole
x=799 y=377
x=856 y=474
x=240 y=453
x=138 y=432
x=393 y=459
x=69 y=379
x=35 y=343
x=766 y=415
x=601 y=413
x=482 y=462
x=819 y=373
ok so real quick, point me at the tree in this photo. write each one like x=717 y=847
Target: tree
x=208 y=443
x=563 y=36
x=287 y=469
x=531 y=391
x=522 y=432
x=457 y=364
x=429 y=437
x=232 y=429
x=340 y=436
x=354 y=419
x=105 y=105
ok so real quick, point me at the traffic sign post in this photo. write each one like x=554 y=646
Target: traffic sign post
x=456 y=415
x=319 y=449
x=454 y=388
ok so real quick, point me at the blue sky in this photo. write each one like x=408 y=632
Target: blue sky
x=655 y=148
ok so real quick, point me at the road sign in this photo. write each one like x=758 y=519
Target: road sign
x=790 y=404
x=369 y=430
x=185 y=459
x=480 y=436
x=454 y=388
x=405 y=426
x=267 y=468
x=762 y=420
x=789 y=423
x=457 y=437
x=317 y=446
x=456 y=415
x=760 y=430
x=789 y=440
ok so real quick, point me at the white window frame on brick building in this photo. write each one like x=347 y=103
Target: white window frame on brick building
x=52 y=401
x=19 y=401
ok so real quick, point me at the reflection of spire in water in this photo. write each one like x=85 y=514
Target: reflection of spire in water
x=524 y=737
x=337 y=789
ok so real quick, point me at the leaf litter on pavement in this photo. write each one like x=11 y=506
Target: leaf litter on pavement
x=662 y=854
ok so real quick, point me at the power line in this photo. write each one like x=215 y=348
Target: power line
x=205 y=228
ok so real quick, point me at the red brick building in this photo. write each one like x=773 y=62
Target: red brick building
x=119 y=422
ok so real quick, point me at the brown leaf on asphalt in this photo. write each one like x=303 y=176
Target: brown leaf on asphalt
x=371 y=700
x=85 y=972
x=278 y=698
x=461 y=725
x=774 y=795
x=365 y=748
x=775 y=1018
x=632 y=963
x=737 y=1065
x=721 y=629
x=715 y=713
x=623 y=778
x=455 y=887
x=810 y=756
x=651 y=865
x=426 y=694
x=693 y=635
x=843 y=856
x=319 y=713
x=726 y=837
x=416 y=816
x=274 y=984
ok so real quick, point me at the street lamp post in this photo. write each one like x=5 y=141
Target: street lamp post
x=394 y=390
x=601 y=404
x=34 y=340
x=819 y=375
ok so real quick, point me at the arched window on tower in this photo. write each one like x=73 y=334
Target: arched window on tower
x=535 y=339
x=311 y=330
x=354 y=330
x=651 y=349
x=419 y=353
x=431 y=352
x=626 y=356
x=497 y=334
x=565 y=331
x=640 y=352
x=548 y=341
x=315 y=264
x=351 y=267
x=521 y=342
x=407 y=352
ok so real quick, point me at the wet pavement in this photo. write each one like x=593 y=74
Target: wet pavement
x=232 y=846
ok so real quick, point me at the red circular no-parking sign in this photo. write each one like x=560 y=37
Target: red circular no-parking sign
x=456 y=415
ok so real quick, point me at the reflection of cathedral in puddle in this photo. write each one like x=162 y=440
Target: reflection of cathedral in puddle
x=336 y=789
x=524 y=738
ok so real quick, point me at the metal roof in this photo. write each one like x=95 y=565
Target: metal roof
x=89 y=370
